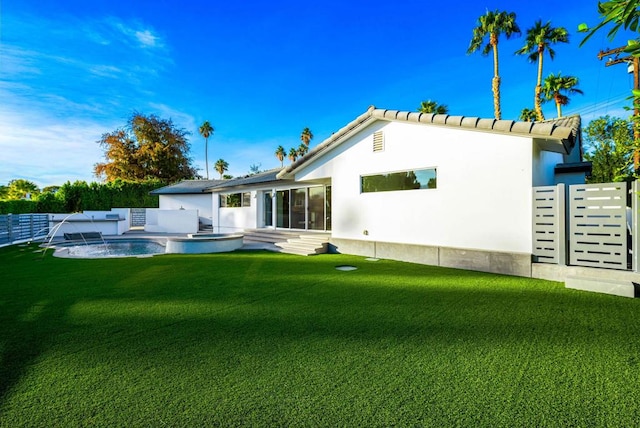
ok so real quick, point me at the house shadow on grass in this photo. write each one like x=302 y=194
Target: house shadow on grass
x=209 y=318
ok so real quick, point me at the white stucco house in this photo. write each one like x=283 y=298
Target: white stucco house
x=435 y=189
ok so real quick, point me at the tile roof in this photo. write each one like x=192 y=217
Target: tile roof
x=558 y=135
x=186 y=187
x=259 y=178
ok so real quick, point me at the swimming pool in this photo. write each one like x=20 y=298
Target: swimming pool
x=119 y=248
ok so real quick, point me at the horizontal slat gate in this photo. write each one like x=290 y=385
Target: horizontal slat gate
x=548 y=224
x=18 y=227
x=598 y=225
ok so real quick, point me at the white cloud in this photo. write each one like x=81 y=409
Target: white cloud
x=147 y=38
x=136 y=34
x=48 y=150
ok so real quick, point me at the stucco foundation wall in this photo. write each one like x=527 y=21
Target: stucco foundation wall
x=517 y=264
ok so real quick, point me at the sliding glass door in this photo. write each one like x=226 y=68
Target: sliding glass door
x=307 y=208
x=282 y=209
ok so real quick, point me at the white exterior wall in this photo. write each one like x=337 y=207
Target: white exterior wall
x=199 y=202
x=483 y=195
x=91 y=221
x=237 y=218
x=544 y=164
x=171 y=221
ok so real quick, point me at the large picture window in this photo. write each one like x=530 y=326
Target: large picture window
x=235 y=200
x=403 y=180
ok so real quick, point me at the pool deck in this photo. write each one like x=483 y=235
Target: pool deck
x=248 y=244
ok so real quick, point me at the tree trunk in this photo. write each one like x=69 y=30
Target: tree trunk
x=538 y=103
x=495 y=86
x=558 y=106
x=206 y=156
x=495 y=83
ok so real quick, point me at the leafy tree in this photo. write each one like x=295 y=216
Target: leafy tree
x=555 y=85
x=206 y=130
x=306 y=136
x=50 y=189
x=609 y=147
x=4 y=192
x=538 y=40
x=492 y=25
x=430 y=106
x=221 y=166
x=146 y=148
x=293 y=154
x=528 y=115
x=622 y=14
x=22 y=189
x=280 y=155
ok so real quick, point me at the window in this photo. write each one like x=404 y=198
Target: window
x=404 y=180
x=235 y=200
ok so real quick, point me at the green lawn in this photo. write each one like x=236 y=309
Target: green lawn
x=262 y=339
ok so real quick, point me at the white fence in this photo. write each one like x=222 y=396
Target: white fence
x=597 y=228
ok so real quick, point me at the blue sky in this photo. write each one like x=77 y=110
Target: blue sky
x=260 y=72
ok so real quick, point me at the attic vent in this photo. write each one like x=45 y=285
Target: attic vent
x=378 y=141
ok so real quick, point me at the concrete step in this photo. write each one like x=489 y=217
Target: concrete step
x=600 y=285
x=300 y=246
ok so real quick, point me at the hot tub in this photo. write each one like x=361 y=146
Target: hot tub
x=202 y=243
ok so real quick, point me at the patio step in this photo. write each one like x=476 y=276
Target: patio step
x=291 y=242
x=305 y=245
x=616 y=287
x=269 y=236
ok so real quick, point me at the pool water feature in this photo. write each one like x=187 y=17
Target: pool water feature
x=119 y=248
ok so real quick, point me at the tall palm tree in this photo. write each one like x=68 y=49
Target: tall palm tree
x=539 y=39
x=293 y=154
x=528 y=115
x=206 y=130
x=553 y=87
x=221 y=166
x=493 y=24
x=302 y=150
x=306 y=136
x=280 y=154
x=433 y=107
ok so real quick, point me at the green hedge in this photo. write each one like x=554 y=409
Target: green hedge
x=81 y=196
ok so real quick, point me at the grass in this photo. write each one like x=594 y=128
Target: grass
x=262 y=339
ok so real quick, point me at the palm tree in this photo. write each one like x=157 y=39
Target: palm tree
x=221 y=166
x=433 y=107
x=493 y=24
x=528 y=115
x=539 y=39
x=206 y=130
x=293 y=154
x=280 y=154
x=555 y=85
x=306 y=136
x=302 y=150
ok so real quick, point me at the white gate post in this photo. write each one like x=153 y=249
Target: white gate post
x=635 y=223
x=561 y=215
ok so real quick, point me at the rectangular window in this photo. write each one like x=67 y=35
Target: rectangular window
x=235 y=200
x=404 y=180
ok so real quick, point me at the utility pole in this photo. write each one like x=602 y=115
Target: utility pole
x=635 y=63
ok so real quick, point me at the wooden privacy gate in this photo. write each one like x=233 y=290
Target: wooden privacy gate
x=595 y=228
